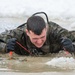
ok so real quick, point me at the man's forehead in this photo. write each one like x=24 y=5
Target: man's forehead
x=43 y=33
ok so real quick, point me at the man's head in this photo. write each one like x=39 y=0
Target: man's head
x=36 y=30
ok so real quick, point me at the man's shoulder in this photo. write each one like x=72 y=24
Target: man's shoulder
x=54 y=25
x=16 y=33
x=19 y=30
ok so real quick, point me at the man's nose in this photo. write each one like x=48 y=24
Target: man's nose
x=39 y=41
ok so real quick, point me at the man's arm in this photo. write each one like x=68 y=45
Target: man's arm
x=61 y=31
x=64 y=37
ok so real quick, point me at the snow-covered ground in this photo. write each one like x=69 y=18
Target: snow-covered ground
x=57 y=10
x=22 y=8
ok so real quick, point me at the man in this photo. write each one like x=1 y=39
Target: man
x=39 y=38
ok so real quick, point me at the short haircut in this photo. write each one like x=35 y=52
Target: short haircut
x=36 y=24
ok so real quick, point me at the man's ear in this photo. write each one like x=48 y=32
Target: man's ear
x=27 y=32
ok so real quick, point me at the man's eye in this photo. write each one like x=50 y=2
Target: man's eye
x=34 y=38
x=43 y=37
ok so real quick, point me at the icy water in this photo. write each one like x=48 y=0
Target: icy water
x=51 y=64
x=30 y=65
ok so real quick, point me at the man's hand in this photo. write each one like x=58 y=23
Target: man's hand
x=67 y=45
x=11 y=44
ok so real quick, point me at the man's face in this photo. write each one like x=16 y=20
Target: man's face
x=37 y=40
